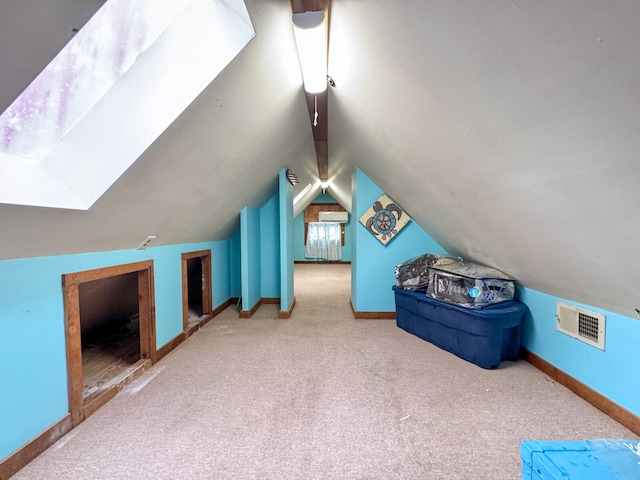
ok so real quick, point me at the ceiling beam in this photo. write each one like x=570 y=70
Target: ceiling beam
x=301 y=6
x=317 y=104
x=322 y=156
x=320 y=129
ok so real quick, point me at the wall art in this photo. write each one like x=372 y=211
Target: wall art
x=384 y=219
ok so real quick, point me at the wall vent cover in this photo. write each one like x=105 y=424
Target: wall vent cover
x=585 y=325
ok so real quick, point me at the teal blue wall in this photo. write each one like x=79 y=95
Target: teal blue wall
x=260 y=253
x=250 y=262
x=32 y=332
x=612 y=372
x=270 y=249
x=354 y=240
x=299 y=248
x=220 y=274
x=285 y=193
x=324 y=198
x=235 y=283
x=373 y=271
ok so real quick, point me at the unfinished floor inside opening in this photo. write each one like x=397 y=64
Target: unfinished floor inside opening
x=196 y=289
x=110 y=330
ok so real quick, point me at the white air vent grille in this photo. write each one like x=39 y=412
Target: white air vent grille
x=582 y=324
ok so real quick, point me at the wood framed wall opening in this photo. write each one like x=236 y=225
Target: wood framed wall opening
x=109 y=329
x=196 y=290
x=311 y=215
x=110 y=332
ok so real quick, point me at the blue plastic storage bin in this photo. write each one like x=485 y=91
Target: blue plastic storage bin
x=589 y=460
x=485 y=336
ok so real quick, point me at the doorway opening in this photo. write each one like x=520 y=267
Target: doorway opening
x=196 y=290
x=109 y=329
x=110 y=332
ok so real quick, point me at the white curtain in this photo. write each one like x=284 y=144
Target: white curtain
x=324 y=241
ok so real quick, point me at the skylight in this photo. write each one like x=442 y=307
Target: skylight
x=110 y=93
x=82 y=73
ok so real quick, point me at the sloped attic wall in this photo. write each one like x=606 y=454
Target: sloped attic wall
x=508 y=129
x=105 y=85
x=54 y=20
x=221 y=154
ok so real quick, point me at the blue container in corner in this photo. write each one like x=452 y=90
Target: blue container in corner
x=486 y=336
x=602 y=459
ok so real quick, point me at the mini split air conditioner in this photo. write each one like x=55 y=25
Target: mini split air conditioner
x=340 y=217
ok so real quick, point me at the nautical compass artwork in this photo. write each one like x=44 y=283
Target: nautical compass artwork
x=384 y=219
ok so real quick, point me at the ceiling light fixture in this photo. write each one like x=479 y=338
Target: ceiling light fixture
x=311 y=39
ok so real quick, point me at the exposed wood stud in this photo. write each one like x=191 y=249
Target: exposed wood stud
x=207 y=300
x=74 y=352
x=322 y=155
x=147 y=319
x=301 y=6
x=99 y=273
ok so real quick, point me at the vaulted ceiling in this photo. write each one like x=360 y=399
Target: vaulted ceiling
x=506 y=129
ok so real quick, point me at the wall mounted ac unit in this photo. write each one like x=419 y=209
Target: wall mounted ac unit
x=341 y=217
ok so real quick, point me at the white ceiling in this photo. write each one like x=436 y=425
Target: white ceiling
x=506 y=129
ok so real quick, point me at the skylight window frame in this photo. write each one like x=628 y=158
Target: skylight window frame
x=198 y=44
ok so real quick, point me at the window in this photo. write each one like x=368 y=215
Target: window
x=323 y=241
x=57 y=145
x=80 y=75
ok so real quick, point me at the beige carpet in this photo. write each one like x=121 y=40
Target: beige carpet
x=320 y=395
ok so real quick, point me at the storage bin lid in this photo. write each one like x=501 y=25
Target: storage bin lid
x=472 y=270
x=508 y=308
